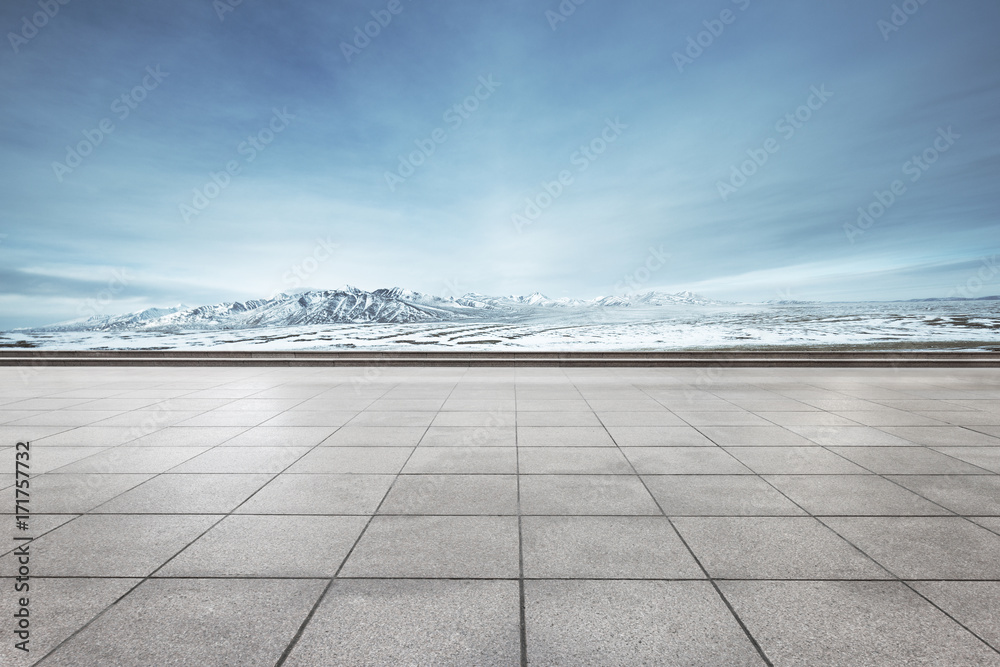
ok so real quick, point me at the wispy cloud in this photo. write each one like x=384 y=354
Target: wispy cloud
x=324 y=175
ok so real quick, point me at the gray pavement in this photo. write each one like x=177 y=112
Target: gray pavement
x=504 y=516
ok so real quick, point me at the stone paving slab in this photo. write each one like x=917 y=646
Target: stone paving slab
x=505 y=516
x=632 y=623
x=852 y=623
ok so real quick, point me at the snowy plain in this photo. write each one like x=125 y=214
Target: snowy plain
x=954 y=325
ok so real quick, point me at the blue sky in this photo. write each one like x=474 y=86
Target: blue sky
x=109 y=232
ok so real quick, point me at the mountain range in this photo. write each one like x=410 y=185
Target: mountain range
x=353 y=305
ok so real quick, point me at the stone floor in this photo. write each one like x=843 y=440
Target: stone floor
x=502 y=516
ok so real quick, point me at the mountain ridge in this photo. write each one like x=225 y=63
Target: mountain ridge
x=352 y=305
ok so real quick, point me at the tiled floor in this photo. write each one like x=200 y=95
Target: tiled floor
x=502 y=516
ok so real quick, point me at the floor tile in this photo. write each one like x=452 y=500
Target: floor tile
x=752 y=435
x=565 y=436
x=269 y=435
x=573 y=460
x=469 y=436
x=658 y=436
x=306 y=419
x=945 y=436
x=393 y=418
x=46 y=459
x=966 y=417
x=370 y=460
x=375 y=436
x=530 y=404
x=889 y=417
x=380 y=622
x=683 y=461
x=38 y=525
x=812 y=418
x=925 y=547
x=242 y=460
x=469 y=460
x=406 y=405
x=490 y=419
x=993 y=431
x=962 y=494
x=794 y=460
x=217 y=622
x=111 y=545
x=64 y=418
x=631 y=404
x=478 y=405
x=78 y=493
x=230 y=418
x=585 y=494
x=727 y=418
x=85 y=436
x=850 y=436
x=905 y=460
x=188 y=436
x=37 y=435
x=452 y=494
x=849 y=623
x=773 y=405
x=860 y=495
x=974 y=604
x=605 y=547
x=186 y=494
x=632 y=623
x=446 y=547
x=986 y=458
x=773 y=548
x=319 y=494
x=718 y=495
x=648 y=418
x=279 y=546
x=988 y=522
x=58 y=607
x=563 y=418
x=126 y=459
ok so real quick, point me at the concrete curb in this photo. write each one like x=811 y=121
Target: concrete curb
x=470 y=359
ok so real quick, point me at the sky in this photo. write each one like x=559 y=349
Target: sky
x=201 y=151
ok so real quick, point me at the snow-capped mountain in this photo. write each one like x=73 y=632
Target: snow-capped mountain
x=114 y=322
x=655 y=299
x=353 y=305
x=535 y=299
